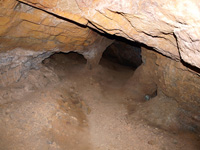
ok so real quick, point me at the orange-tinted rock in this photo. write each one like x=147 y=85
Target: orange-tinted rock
x=171 y=27
x=28 y=34
x=33 y=29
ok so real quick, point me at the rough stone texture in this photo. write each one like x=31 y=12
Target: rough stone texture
x=163 y=25
x=29 y=28
x=174 y=80
x=16 y=63
x=160 y=112
x=93 y=52
x=24 y=29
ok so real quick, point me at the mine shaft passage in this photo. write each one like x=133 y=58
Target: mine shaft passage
x=99 y=75
x=117 y=104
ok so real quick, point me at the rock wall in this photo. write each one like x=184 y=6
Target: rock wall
x=15 y=64
x=33 y=29
x=172 y=79
x=27 y=33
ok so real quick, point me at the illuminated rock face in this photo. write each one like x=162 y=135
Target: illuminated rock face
x=171 y=27
x=29 y=28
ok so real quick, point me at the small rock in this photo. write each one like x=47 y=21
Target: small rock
x=175 y=141
x=152 y=142
x=49 y=142
x=147 y=97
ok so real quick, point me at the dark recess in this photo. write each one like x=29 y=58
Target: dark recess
x=124 y=52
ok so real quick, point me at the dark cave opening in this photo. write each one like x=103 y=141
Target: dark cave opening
x=69 y=57
x=120 y=52
x=124 y=53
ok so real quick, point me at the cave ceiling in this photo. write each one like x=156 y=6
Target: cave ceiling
x=171 y=27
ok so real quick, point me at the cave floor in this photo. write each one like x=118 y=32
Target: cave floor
x=63 y=106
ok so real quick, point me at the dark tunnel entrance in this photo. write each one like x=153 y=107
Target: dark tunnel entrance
x=119 y=53
x=125 y=53
x=116 y=66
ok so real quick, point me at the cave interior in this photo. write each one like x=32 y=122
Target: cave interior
x=77 y=87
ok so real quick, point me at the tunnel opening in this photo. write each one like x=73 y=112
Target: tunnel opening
x=110 y=65
x=125 y=53
x=64 y=59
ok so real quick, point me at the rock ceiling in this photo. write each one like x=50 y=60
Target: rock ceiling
x=172 y=27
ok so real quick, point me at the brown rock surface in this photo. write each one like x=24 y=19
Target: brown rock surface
x=171 y=78
x=33 y=29
x=28 y=33
x=163 y=25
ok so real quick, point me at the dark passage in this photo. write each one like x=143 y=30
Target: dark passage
x=125 y=53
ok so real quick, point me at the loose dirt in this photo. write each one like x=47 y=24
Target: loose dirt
x=63 y=106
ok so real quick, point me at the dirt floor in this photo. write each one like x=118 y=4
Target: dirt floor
x=63 y=106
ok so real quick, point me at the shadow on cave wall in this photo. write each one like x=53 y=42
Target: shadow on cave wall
x=193 y=68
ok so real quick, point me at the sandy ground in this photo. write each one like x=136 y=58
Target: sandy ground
x=62 y=106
